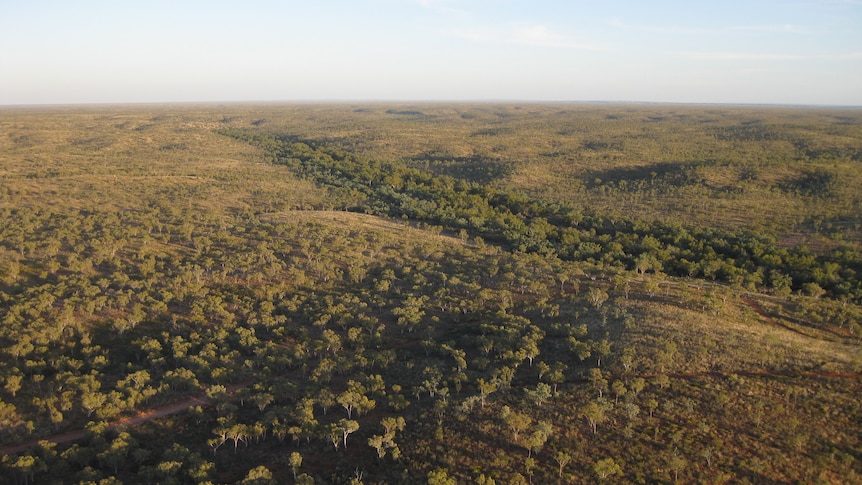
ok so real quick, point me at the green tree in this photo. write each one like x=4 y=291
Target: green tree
x=13 y=383
x=530 y=467
x=601 y=349
x=295 y=461
x=542 y=369
x=439 y=476
x=304 y=479
x=562 y=458
x=598 y=381
x=618 y=389
x=516 y=422
x=115 y=455
x=607 y=467
x=782 y=284
x=391 y=424
x=411 y=312
x=539 y=395
x=262 y=400
x=595 y=413
x=347 y=427
x=676 y=463
x=92 y=400
x=259 y=475
x=579 y=348
x=661 y=380
x=379 y=444
x=557 y=375
x=597 y=296
x=325 y=399
x=813 y=289
x=530 y=344
x=485 y=389
x=26 y=467
x=637 y=385
x=349 y=400
x=537 y=439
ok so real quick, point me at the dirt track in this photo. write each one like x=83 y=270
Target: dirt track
x=140 y=418
x=182 y=406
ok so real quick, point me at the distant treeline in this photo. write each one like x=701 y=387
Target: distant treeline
x=521 y=223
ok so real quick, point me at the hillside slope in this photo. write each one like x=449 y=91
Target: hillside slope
x=148 y=258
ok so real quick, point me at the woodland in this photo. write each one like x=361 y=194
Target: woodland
x=430 y=293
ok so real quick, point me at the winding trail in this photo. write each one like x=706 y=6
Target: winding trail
x=758 y=308
x=185 y=404
x=202 y=400
x=138 y=419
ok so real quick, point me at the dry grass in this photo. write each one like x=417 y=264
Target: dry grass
x=120 y=158
x=112 y=159
x=739 y=155
x=732 y=338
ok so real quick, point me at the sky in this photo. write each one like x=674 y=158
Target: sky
x=805 y=52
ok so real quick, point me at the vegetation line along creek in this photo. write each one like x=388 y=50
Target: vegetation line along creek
x=430 y=293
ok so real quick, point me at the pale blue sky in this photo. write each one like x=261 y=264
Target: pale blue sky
x=700 y=51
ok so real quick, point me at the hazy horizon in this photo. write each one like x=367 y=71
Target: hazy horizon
x=801 y=53
x=409 y=102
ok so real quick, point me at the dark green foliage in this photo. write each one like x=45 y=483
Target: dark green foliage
x=456 y=326
x=816 y=183
x=532 y=225
x=475 y=169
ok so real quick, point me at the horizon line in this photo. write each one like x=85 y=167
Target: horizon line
x=420 y=101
